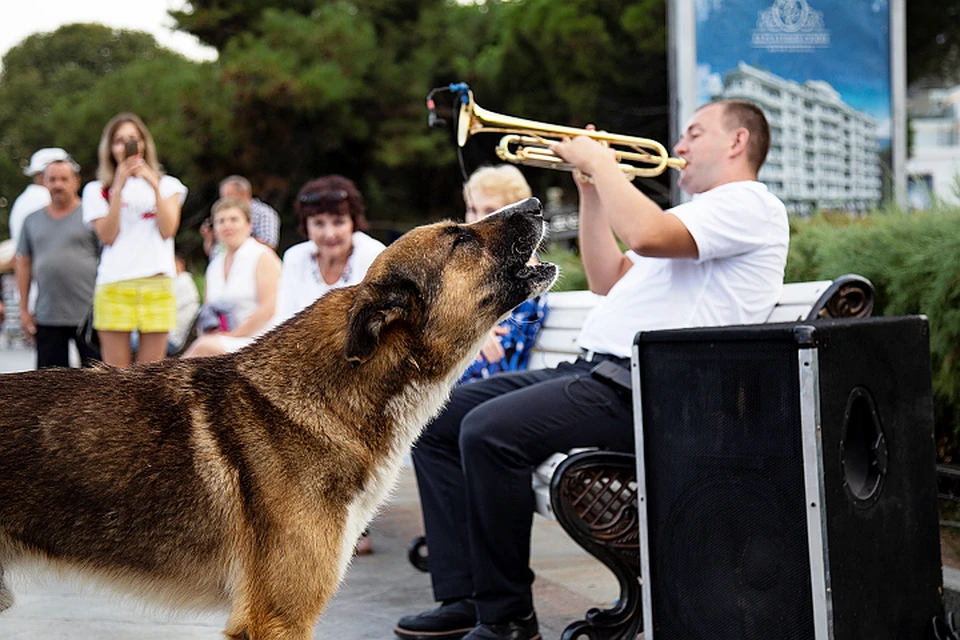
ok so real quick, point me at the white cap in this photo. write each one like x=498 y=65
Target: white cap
x=43 y=157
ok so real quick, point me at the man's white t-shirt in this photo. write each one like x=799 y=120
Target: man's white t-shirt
x=742 y=235
x=139 y=250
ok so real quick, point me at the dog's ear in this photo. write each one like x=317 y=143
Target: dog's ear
x=375 y=308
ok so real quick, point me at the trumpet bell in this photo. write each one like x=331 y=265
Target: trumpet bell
x=527 y=142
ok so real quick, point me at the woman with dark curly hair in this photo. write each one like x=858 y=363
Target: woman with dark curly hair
x=337 y=253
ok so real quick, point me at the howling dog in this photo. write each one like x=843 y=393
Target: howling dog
x=244 y=480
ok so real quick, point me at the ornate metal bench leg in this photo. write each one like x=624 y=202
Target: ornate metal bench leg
x=418 y=554
x=594 y=497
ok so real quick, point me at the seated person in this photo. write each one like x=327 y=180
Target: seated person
x=188 y=303
x=508 y=346
x=715 y=260
x=241 y=282
x=332 y=216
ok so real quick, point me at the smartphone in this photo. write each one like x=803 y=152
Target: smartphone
x=130 y=148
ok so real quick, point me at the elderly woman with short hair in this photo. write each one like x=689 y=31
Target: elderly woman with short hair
x=507 y=348
x=337 y=253
x=241 y=282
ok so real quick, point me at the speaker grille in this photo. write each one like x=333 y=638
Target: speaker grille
x=726 y=517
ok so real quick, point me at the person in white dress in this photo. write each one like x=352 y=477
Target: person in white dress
x=241 y=282
x=332 y=216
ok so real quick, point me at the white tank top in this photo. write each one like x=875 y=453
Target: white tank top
x=236 y=291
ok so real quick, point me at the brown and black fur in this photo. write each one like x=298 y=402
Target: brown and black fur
x=245 y=479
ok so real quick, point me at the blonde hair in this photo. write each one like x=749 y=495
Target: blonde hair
x=230 y=203
x=501 y=180
x=107 y=167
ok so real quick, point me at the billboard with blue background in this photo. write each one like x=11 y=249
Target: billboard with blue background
x=823 y=70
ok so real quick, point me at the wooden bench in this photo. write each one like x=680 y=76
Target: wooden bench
x=592 y=493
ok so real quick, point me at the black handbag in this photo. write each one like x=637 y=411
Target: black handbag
x=87 y=334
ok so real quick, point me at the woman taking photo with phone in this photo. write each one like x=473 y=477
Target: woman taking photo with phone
x=135 y=210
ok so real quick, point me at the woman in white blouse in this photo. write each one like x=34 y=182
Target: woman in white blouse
x=337 y=253
x=241 y=282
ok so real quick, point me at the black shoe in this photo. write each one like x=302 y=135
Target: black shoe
x=447 y=622
x=516 y=629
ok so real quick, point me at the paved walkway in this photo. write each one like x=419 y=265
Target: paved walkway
x=378 y=588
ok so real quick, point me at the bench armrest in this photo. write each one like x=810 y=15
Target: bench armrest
x=849 y=296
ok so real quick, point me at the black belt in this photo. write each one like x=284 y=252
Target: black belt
x=593 y=356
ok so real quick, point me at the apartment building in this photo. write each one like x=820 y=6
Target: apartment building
x=824 y=154
x=933 y=167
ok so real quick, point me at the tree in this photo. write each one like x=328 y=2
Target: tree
x=933 y=40
x=307 y=87
x=217 y=22
x=580 y=62
x=48 y=69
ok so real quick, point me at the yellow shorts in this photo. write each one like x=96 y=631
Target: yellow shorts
x=145 y=304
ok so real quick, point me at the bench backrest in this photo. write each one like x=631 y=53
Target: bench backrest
x=846 y=297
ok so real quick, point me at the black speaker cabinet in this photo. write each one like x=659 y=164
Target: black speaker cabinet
x=787 y=481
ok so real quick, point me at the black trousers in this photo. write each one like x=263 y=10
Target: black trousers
x=53 y=347
x=474 y=464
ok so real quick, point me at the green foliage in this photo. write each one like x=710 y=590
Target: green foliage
x=308 y=87
x=933 y=40
x=48 y=75
x=572 y=276
x=216 y=22
x=912 y=262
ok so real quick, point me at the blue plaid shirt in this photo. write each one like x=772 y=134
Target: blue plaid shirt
x=524 y=323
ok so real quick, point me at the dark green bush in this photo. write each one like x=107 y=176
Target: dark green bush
x=572 y=277
x=913 y=261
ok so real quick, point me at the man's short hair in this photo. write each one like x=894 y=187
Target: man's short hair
x=68 y=161
x=240 y=181
x=740 y=113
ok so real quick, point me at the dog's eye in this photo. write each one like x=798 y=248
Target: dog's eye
x=462 y=238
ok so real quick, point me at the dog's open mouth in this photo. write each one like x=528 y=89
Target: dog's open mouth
x=534 y=269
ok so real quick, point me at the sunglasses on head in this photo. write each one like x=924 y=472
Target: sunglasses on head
x=324 y=198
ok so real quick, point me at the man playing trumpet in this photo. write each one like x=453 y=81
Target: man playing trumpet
x=716 y=260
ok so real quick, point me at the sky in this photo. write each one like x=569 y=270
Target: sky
x=21 y=19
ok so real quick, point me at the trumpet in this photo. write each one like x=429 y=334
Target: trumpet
x=527 y=142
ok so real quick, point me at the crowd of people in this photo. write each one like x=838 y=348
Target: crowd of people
x=717 y=259
x=105 y=258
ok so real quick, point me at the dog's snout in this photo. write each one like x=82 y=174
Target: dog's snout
x=528 y=207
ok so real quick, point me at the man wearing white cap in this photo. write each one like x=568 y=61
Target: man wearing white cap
x=35 y=196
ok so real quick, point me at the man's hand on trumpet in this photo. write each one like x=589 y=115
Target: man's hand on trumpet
x=586 y=154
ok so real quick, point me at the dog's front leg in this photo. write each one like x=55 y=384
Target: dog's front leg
x=282 y=594
x=273 y=632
